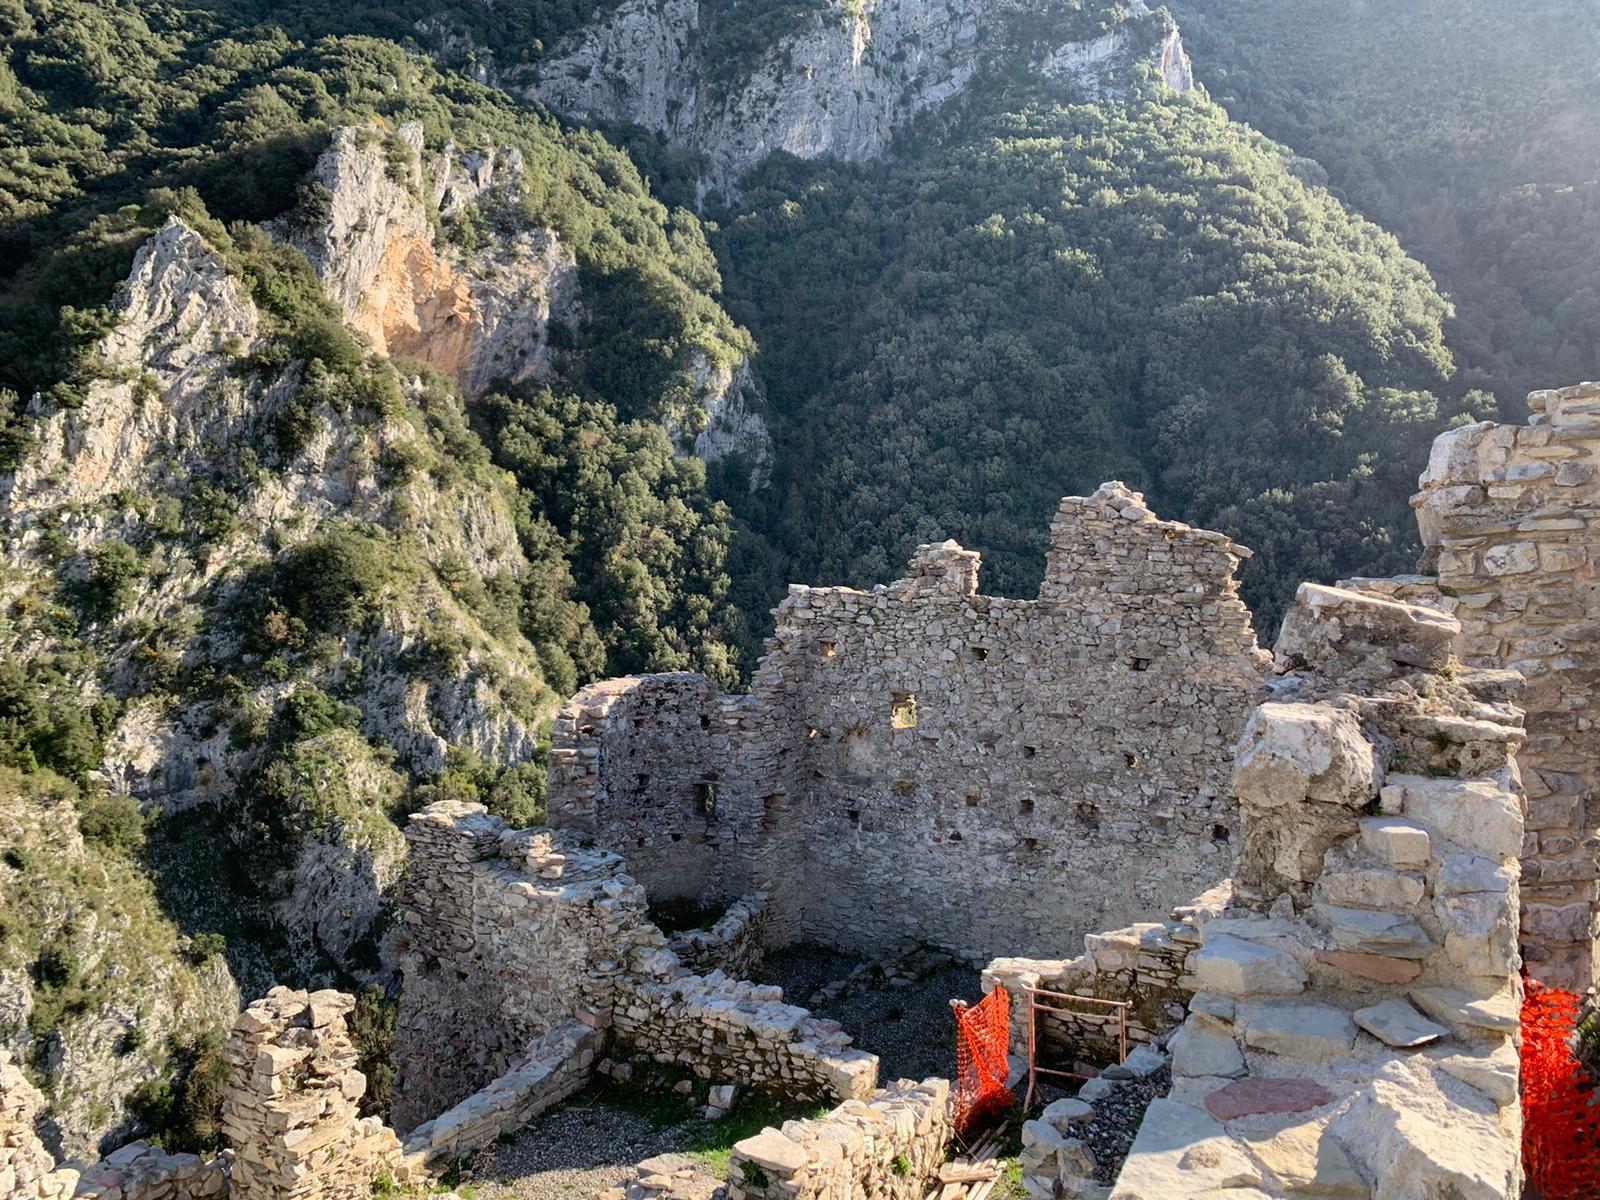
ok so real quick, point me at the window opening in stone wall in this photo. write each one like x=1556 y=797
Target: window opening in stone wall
x=1089 y=813
x=1030 y=843
x=1025 y=804
x=904 y=713
x=980 y=653
x=1139 y=664
x=812 y=731
x=1219 y=833
x=1029 y=751
x=644 y=780
x=829 y=649
x=972 y=800
x=1131 y=759
x=902 y=787
x=705 y=798
x=855 y=816
x=705 y=722
x=954 y=837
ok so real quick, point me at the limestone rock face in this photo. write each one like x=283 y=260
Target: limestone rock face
x=476 y=318
x=842 y=85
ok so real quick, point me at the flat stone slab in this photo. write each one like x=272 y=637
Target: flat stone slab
x=1307 y=1163
x=1181 y=1151
x=1363 y=931
x=1318 y=1032
x=1497 y=1010
x=1255 y=1096
x=1376 y=967
x=1396 y=1023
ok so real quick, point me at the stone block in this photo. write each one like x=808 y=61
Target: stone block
x=1365 y=931
x=1234 y=967
x=1300 y=1029
x=1475 y=814
x=1206 y=1046
x=1396 y=842
x=1293 y=753
x=1324 y=624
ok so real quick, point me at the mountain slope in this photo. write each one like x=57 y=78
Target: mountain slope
x=1468 y=129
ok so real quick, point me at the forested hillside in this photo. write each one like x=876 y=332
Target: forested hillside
x=1469 y=128
x=1061 y=293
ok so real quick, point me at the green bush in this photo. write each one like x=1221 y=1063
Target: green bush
x=335 y=581
x=114 y=569
x=113 y=822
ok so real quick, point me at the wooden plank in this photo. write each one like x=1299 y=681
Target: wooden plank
x=970 y=1172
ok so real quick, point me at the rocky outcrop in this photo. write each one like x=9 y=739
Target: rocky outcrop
x=844 y=83
x=727 y=421
x=477 y=318
x=102 y=986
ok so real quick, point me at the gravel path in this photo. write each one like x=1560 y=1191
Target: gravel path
x=898 y=1010
x=576 y=1152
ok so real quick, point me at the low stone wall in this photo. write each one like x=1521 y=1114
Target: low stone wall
x=140 y=1171
x=1144 y=964
x=735 y=945
x=734 y=1030
x=557 y=1065
x=888 y=1148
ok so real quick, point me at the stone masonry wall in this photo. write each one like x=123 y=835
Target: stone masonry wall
x=887 y=1148
x=530 y=930
x=922 y=763
x=521 y=929
x=1510 y=516
x=1145 y=964
x=289 y=1105
x=27 y=1170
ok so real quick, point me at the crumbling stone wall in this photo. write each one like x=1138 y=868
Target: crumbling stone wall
x=734 y=945
x=520 y=930
x=888 y=1148
x=1510 y=516
x=529 y=930
x=1353 y=1026
x=1144 y=964
x=289 y=1105
x=140 y=1171
x=925 y=763
x=27 y=1170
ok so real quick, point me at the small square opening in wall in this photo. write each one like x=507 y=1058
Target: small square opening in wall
x=972 y=800
x=705 y=722
x=1138 y=664
x=980 y=653
x=903 y=715
x=1219 y=833
x=1029 y=751
x=1025 y=804
x=705 y=799
x=829 y=649
x=644 y=780
x=1131 y=759
x=855 y=816
x=903 y=787
x=1030 y=843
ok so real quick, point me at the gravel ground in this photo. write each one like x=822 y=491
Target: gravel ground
x=576 y=1152
x=1110 y=1135
x=899 y=1011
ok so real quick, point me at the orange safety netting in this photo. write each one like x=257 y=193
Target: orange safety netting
x=1561 y=1125
x=983 y=1039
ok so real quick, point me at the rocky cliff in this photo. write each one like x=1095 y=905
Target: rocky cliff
x=845 y=80
x=430 y=257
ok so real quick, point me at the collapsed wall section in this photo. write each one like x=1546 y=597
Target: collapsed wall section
x=923 y=763
x=1355 y=1011
x=1510 y=516
x=515 y=939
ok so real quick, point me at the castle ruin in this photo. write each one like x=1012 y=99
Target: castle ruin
x=1308 y=864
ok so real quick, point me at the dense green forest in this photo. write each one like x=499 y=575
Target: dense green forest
x=1065 y=293
x=1466 y=127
